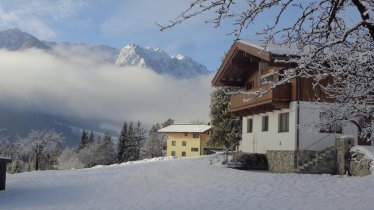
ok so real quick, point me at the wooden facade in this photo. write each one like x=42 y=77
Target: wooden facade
x=3 y=162
x=249 y=68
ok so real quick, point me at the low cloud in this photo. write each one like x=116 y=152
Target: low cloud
x=79 y=87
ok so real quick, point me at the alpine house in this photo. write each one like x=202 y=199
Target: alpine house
x=273 y=121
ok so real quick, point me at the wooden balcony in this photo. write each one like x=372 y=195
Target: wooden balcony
x=275 y=99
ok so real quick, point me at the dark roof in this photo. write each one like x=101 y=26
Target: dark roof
x=5 y=160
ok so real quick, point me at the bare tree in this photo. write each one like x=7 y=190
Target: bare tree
x=331 y=46
x=39 y=141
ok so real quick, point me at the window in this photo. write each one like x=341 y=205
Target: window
x=183 y=154
x=250 y=85
x=265 y=123
x=194 y=149
x=249 y=125
x=173 y=143
x=172 y=153
x=333 y=127
x=195 y=135
x=283 y=122
x=184 y=143
x=185 y=134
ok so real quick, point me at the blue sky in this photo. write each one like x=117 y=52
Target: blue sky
x=117 y=23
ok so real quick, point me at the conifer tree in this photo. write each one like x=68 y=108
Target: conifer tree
x=106 y=151
x=139 y=139
x=167 y=122
x=130 y=148
x=153 y=147
x=91 y=138
x=83 y=140
x=121 y=142
x=226 y=125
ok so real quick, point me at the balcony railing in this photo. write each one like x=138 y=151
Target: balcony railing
x=278 y=95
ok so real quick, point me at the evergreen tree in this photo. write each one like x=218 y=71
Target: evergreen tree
x=83 y=140
x=91 y=138
x=139 y=139
x=121 y=142
x=153 y=146
x=227 y=126
x=167 y=123
x=106 y=151
x=130 y=149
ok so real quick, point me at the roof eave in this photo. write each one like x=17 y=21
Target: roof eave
x=260 y=53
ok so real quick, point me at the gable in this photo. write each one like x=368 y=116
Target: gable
x=246 y=57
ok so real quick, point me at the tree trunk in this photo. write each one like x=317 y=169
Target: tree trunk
x=365 y=16
x=37 y=154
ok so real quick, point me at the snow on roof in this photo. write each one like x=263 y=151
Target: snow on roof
x=273 y=48
x=5 y=159
x=185 y=128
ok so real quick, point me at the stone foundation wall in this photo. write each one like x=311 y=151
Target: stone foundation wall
x=287 y=162
x=282 y=161
x=332 y=160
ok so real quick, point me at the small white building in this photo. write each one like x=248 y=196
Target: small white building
x=273 y=123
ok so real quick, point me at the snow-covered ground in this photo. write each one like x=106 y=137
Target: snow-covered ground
x=189 y=183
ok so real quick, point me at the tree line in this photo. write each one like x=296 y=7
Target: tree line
x=43 y=150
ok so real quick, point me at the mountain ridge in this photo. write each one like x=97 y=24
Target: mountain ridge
x=156 y=59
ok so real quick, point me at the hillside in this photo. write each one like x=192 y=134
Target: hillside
x=189 y=183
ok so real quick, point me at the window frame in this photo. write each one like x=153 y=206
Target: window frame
x=183 y=154
x=173 y=153
x=283 y=128
x=249 y=125
x=173 y=143
x=184 y=143
x=250 y=85
x=265 y=123
x=194 y=149
x=195 y=135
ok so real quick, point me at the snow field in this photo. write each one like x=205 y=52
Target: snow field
x=187 y=183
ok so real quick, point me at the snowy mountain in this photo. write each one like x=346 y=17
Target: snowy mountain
x=154 y=58
x=14 y=39
x=178 y=66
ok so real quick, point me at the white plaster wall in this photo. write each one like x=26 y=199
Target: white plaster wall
x=309 y=113
x=260 y=141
